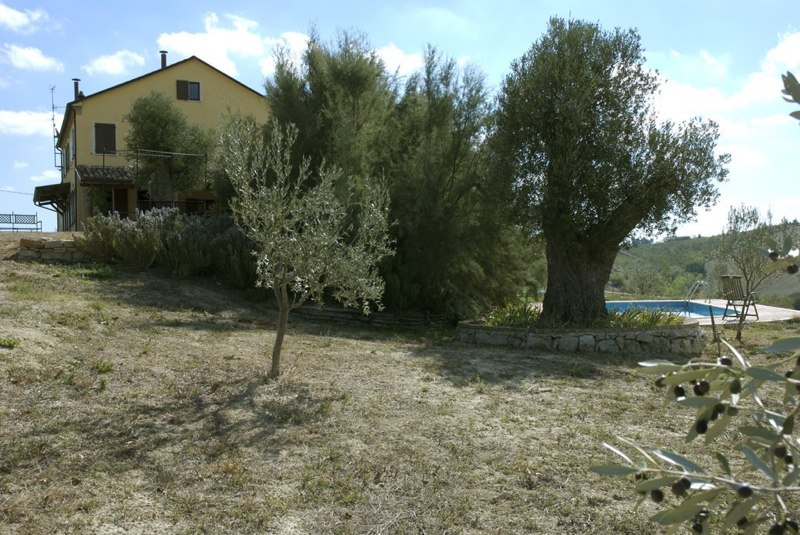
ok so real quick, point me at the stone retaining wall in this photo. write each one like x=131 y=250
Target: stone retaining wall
x=688 y=338
x=49 y=250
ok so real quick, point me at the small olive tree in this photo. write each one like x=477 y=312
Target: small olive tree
x=307 y=239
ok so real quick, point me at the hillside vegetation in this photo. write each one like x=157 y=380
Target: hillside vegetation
x=667 y=269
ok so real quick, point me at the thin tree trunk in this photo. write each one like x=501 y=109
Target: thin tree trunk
x=282 y=294
x=576 y=281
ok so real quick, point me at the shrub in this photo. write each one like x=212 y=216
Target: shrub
x=184 y=245
x=137 y=243
x=524 y=315
x=97 y=241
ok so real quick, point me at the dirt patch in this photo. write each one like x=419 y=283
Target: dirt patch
x=135 y=404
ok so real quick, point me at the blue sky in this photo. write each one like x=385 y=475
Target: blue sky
x=720 y=59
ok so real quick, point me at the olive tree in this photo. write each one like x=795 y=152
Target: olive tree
x=308 y=239
x=745 y=242
x=169 y=155
x=587 y=161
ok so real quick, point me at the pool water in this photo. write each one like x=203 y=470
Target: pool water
x=689 y=309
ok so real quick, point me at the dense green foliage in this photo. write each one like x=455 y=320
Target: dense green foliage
x=168 y=155
x=588 y=163
x=308 y=241
x=182 y=244
x=455 y=251
x=526 y=316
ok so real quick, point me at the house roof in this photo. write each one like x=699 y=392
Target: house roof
x=82 y=99
x=99 y=175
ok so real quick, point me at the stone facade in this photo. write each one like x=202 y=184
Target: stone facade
x=686 y=339
x=49 y=250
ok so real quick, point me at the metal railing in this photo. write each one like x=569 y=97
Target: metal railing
x=20 y=223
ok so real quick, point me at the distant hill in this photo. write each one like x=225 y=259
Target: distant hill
x=671 y=266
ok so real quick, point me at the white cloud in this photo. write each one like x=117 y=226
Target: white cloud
x=293 y=43
x=216 y=44
x=29 y=58
x=26 y=123
x=20 y=165
x=49 y=175
x=21 y=21
x=116 y=63
x=754 y=127
x=396 y=60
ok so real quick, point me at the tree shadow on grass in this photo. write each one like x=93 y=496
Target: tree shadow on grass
x=464 y=364
x=190 y=427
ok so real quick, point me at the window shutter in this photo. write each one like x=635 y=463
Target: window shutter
x=183 y=90
x=105 y=138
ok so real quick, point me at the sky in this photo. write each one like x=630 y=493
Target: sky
x=718 y=59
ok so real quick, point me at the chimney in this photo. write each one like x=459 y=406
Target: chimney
x=163 y=58
x=76 y=83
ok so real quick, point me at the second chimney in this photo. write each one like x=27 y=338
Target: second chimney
x=76 y=84
x=163 y=58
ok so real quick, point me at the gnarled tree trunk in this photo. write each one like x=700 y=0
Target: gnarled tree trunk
x=576 y=281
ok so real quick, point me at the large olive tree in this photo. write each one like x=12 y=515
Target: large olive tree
x=587 y=161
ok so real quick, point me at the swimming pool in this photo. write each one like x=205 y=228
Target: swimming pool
x=690 y=309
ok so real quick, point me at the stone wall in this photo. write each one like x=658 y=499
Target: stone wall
x=58 y=250
x=688 y=338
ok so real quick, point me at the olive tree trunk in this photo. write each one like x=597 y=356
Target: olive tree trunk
x=576 y=281
x=282 y=295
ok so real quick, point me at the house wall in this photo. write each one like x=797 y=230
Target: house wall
x=218 y=95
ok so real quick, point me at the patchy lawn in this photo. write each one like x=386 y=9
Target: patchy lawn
x=134 y=403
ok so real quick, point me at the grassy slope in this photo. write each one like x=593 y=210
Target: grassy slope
x=133 y=404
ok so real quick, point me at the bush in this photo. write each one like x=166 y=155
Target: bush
x=97 y=241
x=137 y=242
x=526 y=316
x=184 y=245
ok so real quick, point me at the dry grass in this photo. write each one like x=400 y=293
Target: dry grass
x=134 y=404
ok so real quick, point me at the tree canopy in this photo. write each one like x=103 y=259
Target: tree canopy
x=587 y=162
x=456 y=251
x=307 y=239
x=168 y=154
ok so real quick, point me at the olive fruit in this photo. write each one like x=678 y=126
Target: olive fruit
x=660 y=380
x=701 y=426
x=657 y=495
x=791 y=523
x=726 y=361
x=780 y=451
x=736 y=386
x=742 y=522
x=680 y=487
x=792 y=269
x=745 y=491
x=776 y=529
x=679 y=391
x=774 y=255
x=697 y=527
x=702 y=388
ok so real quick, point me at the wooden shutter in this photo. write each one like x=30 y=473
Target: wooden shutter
x=105 y=138
x=183 y=90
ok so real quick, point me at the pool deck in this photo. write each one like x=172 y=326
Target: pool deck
x=765 y=313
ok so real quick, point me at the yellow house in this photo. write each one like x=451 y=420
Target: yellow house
x=93 y=131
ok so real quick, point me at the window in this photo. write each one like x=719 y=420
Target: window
x=105 y=138
x=188 y=90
